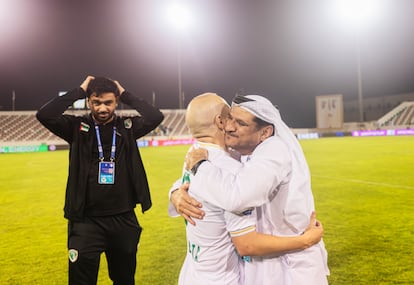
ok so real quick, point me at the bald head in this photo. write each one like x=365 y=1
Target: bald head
x=202 y=113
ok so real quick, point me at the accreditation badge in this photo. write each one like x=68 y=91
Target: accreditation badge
x=106 y=172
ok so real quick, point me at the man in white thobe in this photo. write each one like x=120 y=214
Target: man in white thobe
x=275 y=179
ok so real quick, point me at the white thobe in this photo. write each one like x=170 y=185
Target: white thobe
x=279 y=186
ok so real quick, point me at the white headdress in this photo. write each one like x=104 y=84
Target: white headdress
x=263 y=109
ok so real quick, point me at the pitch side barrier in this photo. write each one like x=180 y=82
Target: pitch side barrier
x=153 y=142
x=396 y=132
x=44 y=147
x=359 y=133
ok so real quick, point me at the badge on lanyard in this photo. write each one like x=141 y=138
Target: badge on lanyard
x=106 y=172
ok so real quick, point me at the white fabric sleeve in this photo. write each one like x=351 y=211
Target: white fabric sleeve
x=172 y=212
x=253 y=184
x=238 y=225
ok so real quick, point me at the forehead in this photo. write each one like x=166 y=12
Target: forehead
x=241 y=114
x=103 y=97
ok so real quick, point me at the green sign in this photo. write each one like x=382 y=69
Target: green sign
x=24 y=148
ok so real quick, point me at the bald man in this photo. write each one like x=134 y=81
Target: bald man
x=211 y=256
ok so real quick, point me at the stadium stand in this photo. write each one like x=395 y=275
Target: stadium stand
x=173 y=124
x=22 y=127
x=402 y=115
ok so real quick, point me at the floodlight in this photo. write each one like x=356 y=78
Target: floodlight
x=358 y=14
x=179 y=16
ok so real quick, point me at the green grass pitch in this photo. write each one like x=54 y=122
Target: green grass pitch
x=364 y=195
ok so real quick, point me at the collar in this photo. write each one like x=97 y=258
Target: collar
x=207 y=145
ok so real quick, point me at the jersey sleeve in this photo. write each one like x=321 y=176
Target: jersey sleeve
x=240 y=224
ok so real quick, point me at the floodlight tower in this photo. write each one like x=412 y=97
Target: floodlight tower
x=179 y=17
x=357 y=15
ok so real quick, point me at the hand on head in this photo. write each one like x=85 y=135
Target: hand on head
x=120 y=88
x=89 y=78
x=85 y=83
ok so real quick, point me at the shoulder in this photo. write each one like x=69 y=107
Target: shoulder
x=273 y=147
x=222 y=159
x=273 y=143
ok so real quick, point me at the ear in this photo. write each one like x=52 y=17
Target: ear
x=266 y=132
x=218 y=121
x=88 y=102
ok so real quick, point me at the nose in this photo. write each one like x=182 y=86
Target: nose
x=230 y=126
x=102 y=108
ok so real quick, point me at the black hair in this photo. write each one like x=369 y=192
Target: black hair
x=261 y=123
x=101 y=85
x=238 y=99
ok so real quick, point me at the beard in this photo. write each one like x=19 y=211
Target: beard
x=230 y=140
x=103 y=117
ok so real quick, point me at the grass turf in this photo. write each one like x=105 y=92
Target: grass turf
x=363 y=190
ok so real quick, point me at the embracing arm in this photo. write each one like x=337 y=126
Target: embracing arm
x=257 y=244
x=183 y=204
x=254 y=182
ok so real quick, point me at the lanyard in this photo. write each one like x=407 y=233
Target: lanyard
x=100 y=149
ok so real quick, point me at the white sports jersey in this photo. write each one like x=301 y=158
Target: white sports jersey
x=211 y=256
x=279 y=186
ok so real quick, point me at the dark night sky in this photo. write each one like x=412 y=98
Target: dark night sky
x=287 y=50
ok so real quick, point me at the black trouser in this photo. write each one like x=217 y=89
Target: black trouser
x=117 y=236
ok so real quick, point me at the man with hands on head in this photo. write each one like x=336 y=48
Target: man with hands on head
x=211 y=257
x=106 y=177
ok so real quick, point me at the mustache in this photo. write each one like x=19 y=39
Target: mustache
x=231 y=134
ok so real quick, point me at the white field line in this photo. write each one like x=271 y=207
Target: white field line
x=365 y=182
